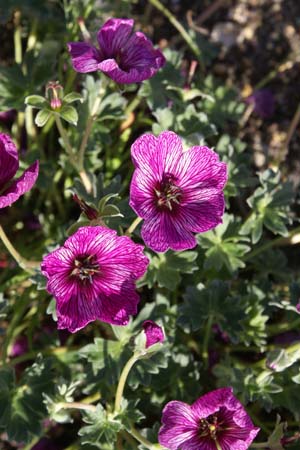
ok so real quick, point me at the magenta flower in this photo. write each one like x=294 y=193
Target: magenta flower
x=92 y=276
x=11 y=190
x=124 y=56
x=216 y=421
x=263 y=102
x=177 y=192
x=154 y=333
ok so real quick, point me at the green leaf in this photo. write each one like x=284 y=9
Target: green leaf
x=225 y=248
x=102 y=353
x=21 y=405
x=36 y=100
x=101 y=428
x=69 y=114
x=42 y=117
x=73 y=97
x=274 y=441
x=165 y=269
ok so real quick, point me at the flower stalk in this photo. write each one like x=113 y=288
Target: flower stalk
x=123 y=378
x=133 y=226
x=193 y=46
x=90 y=122
x=81 y=171
x=22 y=262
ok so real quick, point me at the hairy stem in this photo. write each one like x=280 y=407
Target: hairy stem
x=22 y=262
x=77 y=405
x=122 y=381
x=18 y=37
x=137 y=435
x=82 y=173
x=90 y=122
x=260 y=445
x=133 y=226
x=193 y=46
x=275 y=242
x=206 y=338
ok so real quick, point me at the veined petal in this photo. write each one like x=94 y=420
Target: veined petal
x=9 y=161
x=200 y=167
x=113 y=36
x=142 y=151
x=179 y=425
x=142 y=195
x=163 y=231
x=93 y=277
x=211 y=402
x=117 y=309
x=85 y=57
x=133 y=75
x=139 y=52
x=169 y=151
x=20 y=186
x=201 y=216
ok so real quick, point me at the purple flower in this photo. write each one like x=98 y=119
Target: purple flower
x=7 y=117
x=19 y=347
x=124 y=56
x=177 y=192
x=216 y=421
x=154 y=333
x=45 y=444
x=92 y=276
x=263 y=101
x=11 y=190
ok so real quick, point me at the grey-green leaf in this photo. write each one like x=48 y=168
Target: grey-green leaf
x=69 y=114
x=42 y=117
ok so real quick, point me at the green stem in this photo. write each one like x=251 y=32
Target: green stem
x=18 y=37
x=133 y=105
x=133 y=226
x=260 y=445
x=206 y=338
x=179 y=28
x=22 y=262
x=66 y=141
x=77 y=405
x=122 y=381
x=275 y=242
x=137 y=435
x=90 y=122
x=82 y=173
x=218 y=446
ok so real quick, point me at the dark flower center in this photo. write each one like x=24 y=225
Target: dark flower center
x=168 y=194
x=212 y=428
x=85 y=267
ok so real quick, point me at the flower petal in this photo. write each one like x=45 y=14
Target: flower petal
x=168 y=154
x=142 y=199
x=142 y=151
x=200 y=167
x=163 y=231
x=179 y=426
x=85 y=57
x=204 y=214
x=113 y=36
x=9 y=161
x=154 y=333
x=103 y=289
x=117 y=308
x=211 y=402
x=20 y=186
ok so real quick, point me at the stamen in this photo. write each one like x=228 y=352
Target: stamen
x=85 y=267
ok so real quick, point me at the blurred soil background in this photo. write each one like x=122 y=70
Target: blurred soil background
x=258 y=45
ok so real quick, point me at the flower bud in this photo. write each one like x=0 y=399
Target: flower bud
x=154 y=333
x=54 y=92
